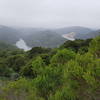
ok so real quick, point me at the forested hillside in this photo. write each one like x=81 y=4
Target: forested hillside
x=43 y=37
x=7 y=46
x=69 y=72
x=9 y=35
x=88 y=35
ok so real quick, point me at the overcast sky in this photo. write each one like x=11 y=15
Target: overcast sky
x=50 y=13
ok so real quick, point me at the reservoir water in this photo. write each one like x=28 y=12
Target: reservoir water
x=22 y=45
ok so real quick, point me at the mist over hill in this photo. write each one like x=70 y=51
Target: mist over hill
x=44 y=37
x=76 y=29
x=88 y=35
x=49 y=50
x=9 y=34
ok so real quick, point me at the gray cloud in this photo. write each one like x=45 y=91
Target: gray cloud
x=50 y=13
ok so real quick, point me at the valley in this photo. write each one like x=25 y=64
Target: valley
x=49 y=49
x=34 y=37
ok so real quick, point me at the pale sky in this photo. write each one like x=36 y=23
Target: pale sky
x=50 y=13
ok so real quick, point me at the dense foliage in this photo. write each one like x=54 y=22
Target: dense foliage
x=70 y=72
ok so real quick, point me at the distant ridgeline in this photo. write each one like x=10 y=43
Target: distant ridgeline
x=45 y=37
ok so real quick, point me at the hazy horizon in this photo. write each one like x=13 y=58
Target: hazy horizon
x=50 y=13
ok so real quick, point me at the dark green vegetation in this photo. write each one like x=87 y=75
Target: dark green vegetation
x=7 y=46
x=70 y=72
